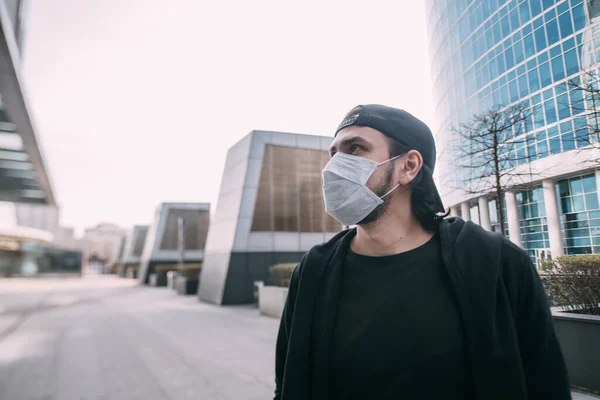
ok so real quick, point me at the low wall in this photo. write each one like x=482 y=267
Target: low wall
x=579 y=337
x=271 y=300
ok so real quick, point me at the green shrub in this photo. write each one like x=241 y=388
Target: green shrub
x=190 y=271
x=114 y=268
x=573 y=282
x=282 y=273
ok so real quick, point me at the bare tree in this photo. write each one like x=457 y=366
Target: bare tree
x=489 y=148
x=585 y=101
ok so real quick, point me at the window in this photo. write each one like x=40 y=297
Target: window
x=290 y=197
x=536 y=8
x=523 y=89
x=568 y=141
x=534 y=82
x=564 y=109
x=552 y=31
x=572 y=62
x=524 y=10
x=566 y=27
x=195 y=229
x=532 y=220
x=580 y=214
x=545 y=74
x=558 y=69
x=540 y=39
x=555 y=147
x=579 y=17
x=550 y=110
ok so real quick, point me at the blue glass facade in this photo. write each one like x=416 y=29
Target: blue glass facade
x=489 y=53
x=494 y=53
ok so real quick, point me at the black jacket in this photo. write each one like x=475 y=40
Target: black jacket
x=513 y=349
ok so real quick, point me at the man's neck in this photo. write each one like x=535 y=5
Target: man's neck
x=391 y=234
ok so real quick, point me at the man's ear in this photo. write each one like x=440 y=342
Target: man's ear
x=413 y=162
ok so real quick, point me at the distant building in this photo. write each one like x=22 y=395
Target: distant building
x=162 y=242
x=133 y=248
x=99 y=245
x=270 y=210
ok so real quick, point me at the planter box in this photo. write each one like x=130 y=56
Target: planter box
x=131 y=273
x=158 y=279
x=579 y=337
x=271 y=300
x=185 y=285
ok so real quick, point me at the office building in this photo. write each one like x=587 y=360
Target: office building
x=270 y=210
x=163 y=245
x=495 y=53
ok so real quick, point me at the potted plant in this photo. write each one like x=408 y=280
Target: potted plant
x=573 y=285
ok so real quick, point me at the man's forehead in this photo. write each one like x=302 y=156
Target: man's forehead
x=365 y=132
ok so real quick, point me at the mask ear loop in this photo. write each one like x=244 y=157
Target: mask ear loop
x=394 y=188
x=391 y=159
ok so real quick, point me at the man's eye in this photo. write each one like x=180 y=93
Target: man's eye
x=354 y=148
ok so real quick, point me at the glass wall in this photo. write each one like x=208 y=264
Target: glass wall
x=580 y=214
x=532 y=221
x=290 y=194
x=196 y=229
x=140 y=240
x=491 y=53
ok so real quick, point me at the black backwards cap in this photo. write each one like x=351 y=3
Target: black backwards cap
x=404 y=128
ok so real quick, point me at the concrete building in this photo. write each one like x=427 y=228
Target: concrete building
x=489 y=53
x=270 y=210
x=133 y=247
x=162 y=240
x=99 y=245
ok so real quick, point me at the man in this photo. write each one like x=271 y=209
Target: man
x=409 y=305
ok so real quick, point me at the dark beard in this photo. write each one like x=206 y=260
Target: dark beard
x=379 y=211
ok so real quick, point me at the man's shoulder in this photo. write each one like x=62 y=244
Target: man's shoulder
x=486 y=260
x=319 y=254
x=476 y=247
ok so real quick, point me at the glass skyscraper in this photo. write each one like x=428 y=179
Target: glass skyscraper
x=497 y=53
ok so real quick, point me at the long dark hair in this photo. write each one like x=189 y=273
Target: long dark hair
x=422 y=198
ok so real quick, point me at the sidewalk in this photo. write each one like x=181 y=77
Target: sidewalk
x=107 y=338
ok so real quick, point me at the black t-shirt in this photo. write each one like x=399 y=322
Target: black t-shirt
x=398 y=333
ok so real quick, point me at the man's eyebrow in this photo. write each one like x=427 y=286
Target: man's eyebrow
x=349 y=142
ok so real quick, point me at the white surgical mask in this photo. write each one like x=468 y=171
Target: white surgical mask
x=347 y=197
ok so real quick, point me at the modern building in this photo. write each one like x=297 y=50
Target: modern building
x=99 y=245
x=23 y=176
x=497 y=53
x=163 y=240
x=31 y=240
x=133 y=248
x=270 y=210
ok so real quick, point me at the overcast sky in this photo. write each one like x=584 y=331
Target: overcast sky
x=137 y=101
